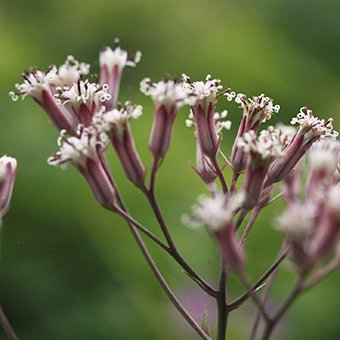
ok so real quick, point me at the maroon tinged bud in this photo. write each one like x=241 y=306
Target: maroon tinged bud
x=8 y=170
x=81 y=151
x=112 y=63
x=115 y=124
x=168 y=96
x=256 y=110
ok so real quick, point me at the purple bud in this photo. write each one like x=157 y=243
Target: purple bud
x=168 y=96
x=115 y=124
x=81 y=151
x=112 y=63
x=8 y=170
x=310 y=130
x=204 y=167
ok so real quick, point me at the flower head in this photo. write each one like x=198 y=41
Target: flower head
x=83 y=92
x=117 y=119
x=71 y=71
x=265 y=148
x=112 y=62
x=76 y=150
x=168 y=93
x=324 y=155
x=204 y=92
x=35 y=82
x=257 y=109
x=214 y=212
x=312 y=128
x=298 y=221
x=117 y=57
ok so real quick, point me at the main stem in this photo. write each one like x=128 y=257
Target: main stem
x=222 y=305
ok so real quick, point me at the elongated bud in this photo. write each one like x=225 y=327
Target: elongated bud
x=310 y=130
x=168 y=96
x=255 y=111
x=217 y=214
x=327 y=233
x=39 y=86
x=323 y=159
x=112 y=63
x=292 y=185
x=115 y=124
x=8 y=170
x=81 y=151
x=260 y=153
x=204 y=167
x=203 y=111
x=298 y=223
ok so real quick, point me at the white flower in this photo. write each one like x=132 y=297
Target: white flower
x=266 y=147
x=203 y=92
x=35 y=81
x=298 y=220
x=4 y=161
x=117 y=118
x=71 y=71
x=117 y=57
x=167 y=92
x=259 y=108
x=83 y=92
x=325 y=155
x=76 y=149
x=214 y=212
x=313 y=128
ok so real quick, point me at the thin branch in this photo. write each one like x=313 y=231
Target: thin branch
x=143 y=229
x=290 y=299
x=244 y=297
x=219 y=174
x=249 y=226
x=240 y=219
x=154 y=267
x=253 y=295
x=7 y=326
x=173 y=250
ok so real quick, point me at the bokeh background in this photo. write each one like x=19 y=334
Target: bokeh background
x=69 y=269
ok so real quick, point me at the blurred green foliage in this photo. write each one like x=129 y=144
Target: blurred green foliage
x=69 y=269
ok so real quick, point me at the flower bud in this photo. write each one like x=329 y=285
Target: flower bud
x=255 y=111
x=81 y=151
x=115 y=124
x=327 y=233
x=323 y=159
x=217 y=214
x=204 y=168
x=168 y=96
x=8 y=170
x=39 y=86
x=203 y=111
x=260 y=153
x=310 y=130
x=112 y=63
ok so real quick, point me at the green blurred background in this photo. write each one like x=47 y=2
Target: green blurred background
x=69 y=269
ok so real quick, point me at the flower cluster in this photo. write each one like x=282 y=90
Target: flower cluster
x=90 y=117
x=312 y=221
x=256 y=110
